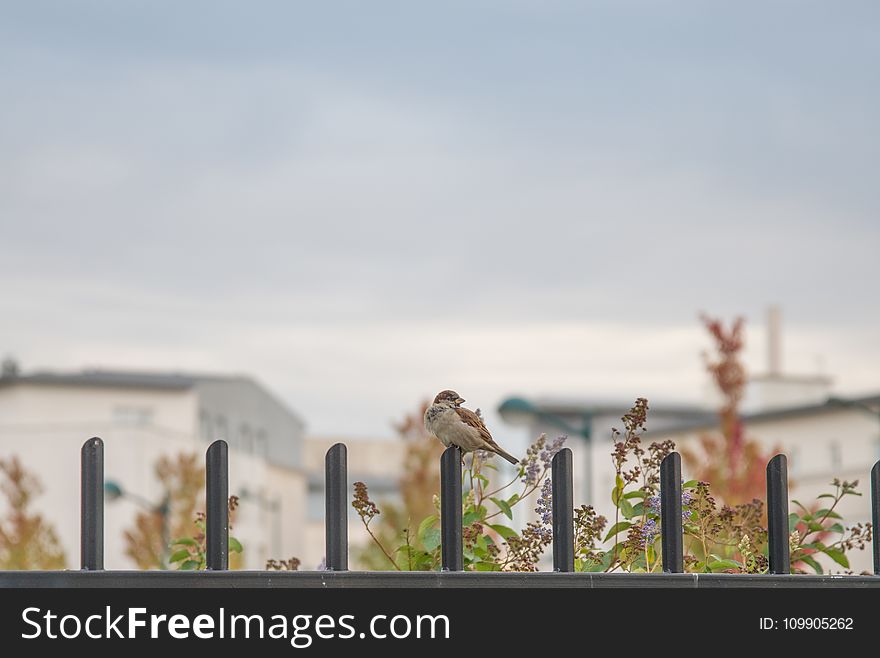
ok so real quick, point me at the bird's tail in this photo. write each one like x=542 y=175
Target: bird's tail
x=513 y=460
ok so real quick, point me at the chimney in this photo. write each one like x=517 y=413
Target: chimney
x=774 y=341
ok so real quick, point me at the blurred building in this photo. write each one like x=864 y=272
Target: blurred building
x=45 y=417
x=823 y=437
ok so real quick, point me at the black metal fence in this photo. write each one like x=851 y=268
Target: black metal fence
x=92 y=572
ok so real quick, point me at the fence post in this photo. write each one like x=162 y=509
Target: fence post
x=450 y=510
x=777 y=515
x=335 y=508
x=671 y=540
x=875 y=514
x=217 y=499
x=563 y=512
x=92 y=505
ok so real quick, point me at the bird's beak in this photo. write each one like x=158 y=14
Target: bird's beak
x=459 y=400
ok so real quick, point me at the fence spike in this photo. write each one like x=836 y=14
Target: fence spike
x=336 y=508
x=450 y=510
x=92 y=505
x=563 y=511
x=671 y=540
x=875 y=514
x=217 y=500
x=777 y=515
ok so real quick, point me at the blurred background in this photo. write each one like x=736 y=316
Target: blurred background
x=287 y=225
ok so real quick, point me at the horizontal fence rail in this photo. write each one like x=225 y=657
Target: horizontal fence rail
x=452 y=573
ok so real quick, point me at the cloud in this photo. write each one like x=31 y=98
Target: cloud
x=536 y=202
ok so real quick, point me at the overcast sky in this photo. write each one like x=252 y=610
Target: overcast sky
x=360 y=204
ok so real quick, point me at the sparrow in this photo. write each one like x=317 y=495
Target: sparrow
x=456 y=426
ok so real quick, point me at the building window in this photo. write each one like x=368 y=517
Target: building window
x=316 y=504
x=206 y=429
x=836 y=456
x=132 y=416
x=247 y=443
x=794 y=461
x=220 y=430
x=261 y=444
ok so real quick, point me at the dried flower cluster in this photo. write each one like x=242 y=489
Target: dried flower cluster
x=365 y=507
x=291 y=564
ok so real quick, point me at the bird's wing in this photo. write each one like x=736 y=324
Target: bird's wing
x=468 y=417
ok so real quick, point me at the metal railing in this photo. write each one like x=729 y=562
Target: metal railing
x=452 y=573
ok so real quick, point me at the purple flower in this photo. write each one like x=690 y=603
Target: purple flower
x=544 y=506
x=686 y=500
x=547 y=454
x=532 y=472
x=649 y=531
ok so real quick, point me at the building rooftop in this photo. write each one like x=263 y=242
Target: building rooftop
x=117 y=379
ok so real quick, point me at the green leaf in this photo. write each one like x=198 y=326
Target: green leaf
x=838 y=556
x=513 y=500
x=826 y=513
x=189 y=565
x=486 y=566
x=836 y=528
x=607 y=560
x=177 y=556
x=431 y=539
x=469 y=518
x=635 y=494
x=482 y=545
x=806 y=559
x=626 y=508
x=690 y=484
x=826 y=496
x=503 y=531
x=799 y=504
x=720 y=565
x=235 y=545
x=616 y=528
x=185 y=541
x=426 y=523
x=503 y=506
x=792 y=522
x=638 y=509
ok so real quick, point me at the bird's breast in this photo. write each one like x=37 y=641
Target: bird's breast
x=445 y=424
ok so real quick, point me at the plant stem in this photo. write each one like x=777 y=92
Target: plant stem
x=379 y=544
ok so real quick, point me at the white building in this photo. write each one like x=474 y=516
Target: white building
x=45 y=418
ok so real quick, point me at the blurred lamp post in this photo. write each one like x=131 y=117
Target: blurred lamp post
x=114 y=491
x=518 y=411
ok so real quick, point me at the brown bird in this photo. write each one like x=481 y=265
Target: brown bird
x=454 y=425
